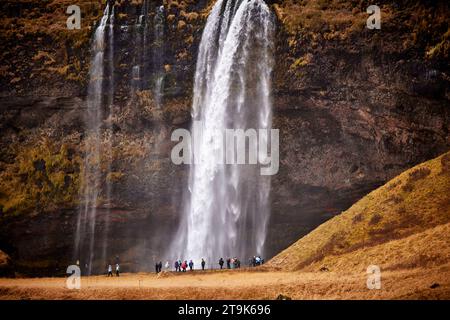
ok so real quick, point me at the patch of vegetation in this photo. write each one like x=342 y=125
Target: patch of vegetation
x=419 y=25
x=317 y=16
x=44 y=176
x=377 y=218
x=51 y=49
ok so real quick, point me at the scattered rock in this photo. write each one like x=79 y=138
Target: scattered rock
x=324 y=269
x=283 y=297
x=435 y=285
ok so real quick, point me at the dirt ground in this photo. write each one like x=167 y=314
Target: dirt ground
x=233 y=284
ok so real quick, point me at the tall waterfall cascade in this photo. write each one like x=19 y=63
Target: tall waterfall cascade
x=91 y=246
x=227 y=207
x=98 y=107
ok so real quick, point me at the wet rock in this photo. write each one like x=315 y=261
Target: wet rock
x=434 y=285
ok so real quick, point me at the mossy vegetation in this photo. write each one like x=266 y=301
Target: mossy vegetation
x=326 y=16
x=422 y=25
x=43 y=176
x=52 y=50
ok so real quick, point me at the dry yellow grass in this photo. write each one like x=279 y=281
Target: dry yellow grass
x=424 y=250
x=415 y=201
x=411 y=284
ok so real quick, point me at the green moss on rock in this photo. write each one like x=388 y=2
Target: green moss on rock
x=43 y=177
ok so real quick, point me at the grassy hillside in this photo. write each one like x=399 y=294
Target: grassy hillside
x=403 y=224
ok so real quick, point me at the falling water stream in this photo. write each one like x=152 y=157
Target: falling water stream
x=228 y=205
x=109 y=134
x=227 y=208
x=158 y=54
x=92 y=168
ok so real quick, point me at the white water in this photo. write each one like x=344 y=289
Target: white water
x=228 y=207
x=92 y=174
x=158 y=55
x=139 y=69
x=109 y=133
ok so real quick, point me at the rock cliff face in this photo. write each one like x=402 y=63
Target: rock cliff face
x=354 y=107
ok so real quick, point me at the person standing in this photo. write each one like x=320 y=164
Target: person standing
x=157 y=267
x=203 y=264
x=191 y=265
x=167 y=265
x=228 y=263
x=160 y=266
x=110 y=270
x=117 y=269
x=176 y=266
x=221 y=263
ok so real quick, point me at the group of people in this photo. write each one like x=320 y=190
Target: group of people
x=158 y=267
x=181 y=266
x=232 y=263
x=110 y=270
x=256 y=261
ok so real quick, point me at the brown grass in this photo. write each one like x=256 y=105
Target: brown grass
x=398 y=284
x=412 y=203
x=425 y=250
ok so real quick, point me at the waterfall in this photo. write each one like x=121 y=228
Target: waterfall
x=111 y=57
x=228 y=205
x=92 y=168
x=147 y=70
x=109 y=131
x=139 y=69
x=158 y=54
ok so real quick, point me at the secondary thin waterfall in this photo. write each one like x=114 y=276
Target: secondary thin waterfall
x=158 y=54
x=109 y=132
x=92 y=168
x=228 y=208
x=139 y=69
